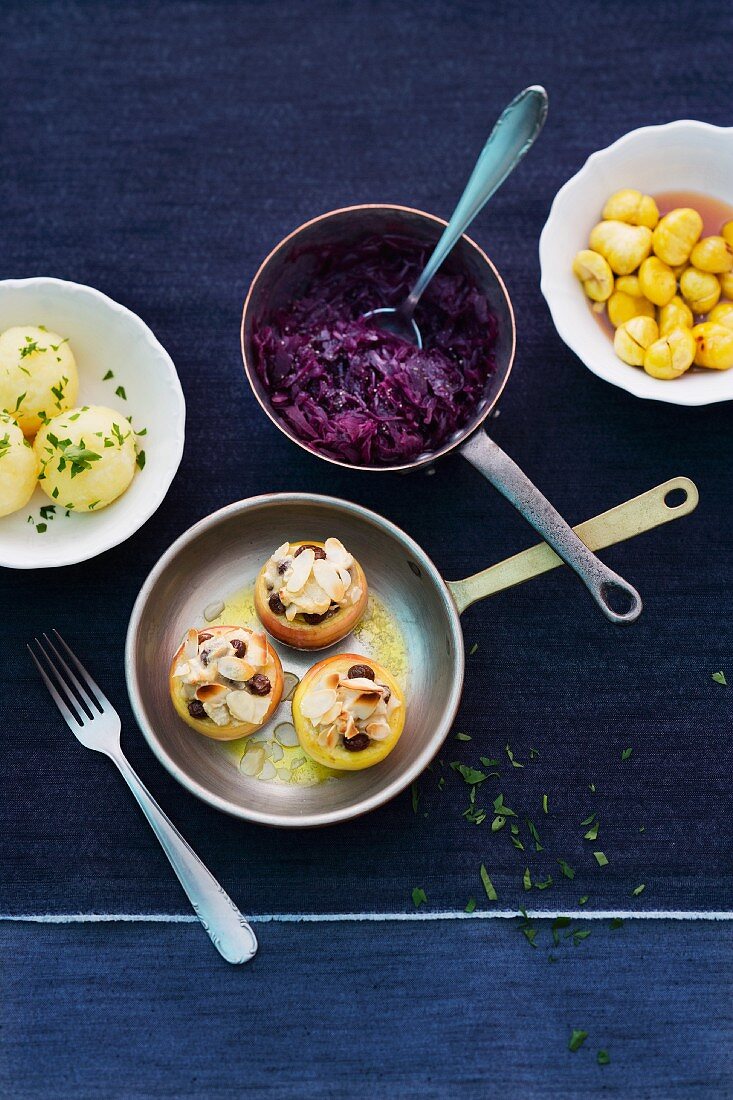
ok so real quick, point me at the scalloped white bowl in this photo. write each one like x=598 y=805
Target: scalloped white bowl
x=681 y=156
x=103 y=336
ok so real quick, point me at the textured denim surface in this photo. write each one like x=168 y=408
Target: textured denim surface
x=157 y=152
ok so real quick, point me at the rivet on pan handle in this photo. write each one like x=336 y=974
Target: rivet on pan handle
x=670 y=500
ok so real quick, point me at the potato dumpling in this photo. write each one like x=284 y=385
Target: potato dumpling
x=700 y=289
x=595 y=274
x=671 y=355
x=633 y=337
x=676 y=235
x=38 y=376
x=87 y=457
x=727 y=232
x=712 y=254
x=310 y=595
x=657 y=281
x=714 y=346
x=676 y=314
x=624 y=246
x=18 y=467
x=622 y=306
x=348 y=712
x=631 y=206
x=722 y=314
x=225 y=681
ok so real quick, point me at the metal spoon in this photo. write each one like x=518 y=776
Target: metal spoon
x=512 y=136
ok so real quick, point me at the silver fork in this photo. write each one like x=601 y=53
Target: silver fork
x=94 y=721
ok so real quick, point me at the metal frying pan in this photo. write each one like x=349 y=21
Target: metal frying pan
x=286 y=274
x=225 y=551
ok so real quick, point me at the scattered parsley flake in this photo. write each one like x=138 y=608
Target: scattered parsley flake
x=527 y=879
x=583 y=900
x=557 y=924
x=533 y=754
x=577 y=1039
x=107 y=376
x=601 y=859
x=142 y=431
x=544 y=804
x=719 y=678
x=41 y=527
x=47 y=511
x=638 y=890
x=516 y=842
x=592 y=787
x=463 y=737
x=489 y=762
x=603 y=1058
x=415 y=797
x=419 y=897
x=514 y=763
x=617 y=922
x=543 y=884
x=567 y=870
x=140 y=460
x=580 y=935
x=470 y=905
x=473 y=649
x=500 y=808
x=472 y=776
x=626 y=753
x=491 y=893
x=592 y=833
x=30 y=347
x=120 y=392
x=589 y=819
x=19 y=402
x=535 y=835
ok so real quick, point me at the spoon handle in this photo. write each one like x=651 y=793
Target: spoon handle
x=512 y=136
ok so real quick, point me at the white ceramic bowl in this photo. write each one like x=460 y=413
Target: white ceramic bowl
x=681 y=156
x=103 y=336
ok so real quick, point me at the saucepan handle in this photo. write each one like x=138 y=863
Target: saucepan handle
x=670 y=500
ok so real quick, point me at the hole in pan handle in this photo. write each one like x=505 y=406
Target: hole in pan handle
x=670 y=500
x=506 y=476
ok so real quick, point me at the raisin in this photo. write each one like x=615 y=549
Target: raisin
x=282 y=567
x=358 y=671
x=317 y=550
x=196 y=709
x=259 y=684
x=276 y=604
x=357 y=743
x=239 y=647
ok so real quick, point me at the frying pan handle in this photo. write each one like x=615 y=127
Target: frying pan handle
x=643 y=513
x=506 y=476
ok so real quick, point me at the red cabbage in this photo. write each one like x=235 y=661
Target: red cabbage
x=354 y=392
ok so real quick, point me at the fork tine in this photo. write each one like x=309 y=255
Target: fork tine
x=72 y=719
x=84 y=695
x=92 y=684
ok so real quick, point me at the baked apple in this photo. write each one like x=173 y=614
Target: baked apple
x=225 y=681
x=310 y=594
x=348 y=712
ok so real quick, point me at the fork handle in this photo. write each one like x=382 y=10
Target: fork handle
x=228 y=930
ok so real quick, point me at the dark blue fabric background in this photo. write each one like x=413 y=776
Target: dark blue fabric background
x=157 y=152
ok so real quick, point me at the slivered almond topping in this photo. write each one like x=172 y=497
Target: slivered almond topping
x=282 y=551
x=351 y=728
x=211 y=693
x=378 y=729
x=248 y=708
x=234 y=668
x=331 y=680
x=362 y=706
x=300 y=571
x=191 y=643
x=317 y=703
x=328 y=578
x=182 y=670
x=257 y=651
x=337 y=552
x=360 y=683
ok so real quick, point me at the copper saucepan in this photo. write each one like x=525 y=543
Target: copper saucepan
x=286 y=274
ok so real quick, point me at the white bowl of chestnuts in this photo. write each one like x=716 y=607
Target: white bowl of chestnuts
x=637 y=263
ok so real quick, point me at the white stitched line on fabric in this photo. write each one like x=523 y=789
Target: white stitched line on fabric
x=317 y=918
